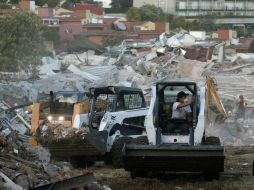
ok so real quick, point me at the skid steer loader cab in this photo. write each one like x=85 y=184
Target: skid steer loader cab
x=175 y=145
x=62 y=105
x=167 y=96
x=113 y=99
x=110 y=109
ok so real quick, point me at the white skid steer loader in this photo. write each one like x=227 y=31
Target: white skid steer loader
x=113 y=117
x=175 y=145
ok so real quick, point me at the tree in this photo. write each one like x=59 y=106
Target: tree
x=4 y=6
x=121 y=4
x=21 y=44
x=179 y=22
x=14 y=1
x=241 y=32
x=206 y=23
x=151 y=13
x=68 y=3
x=81 y=44
x=50 y=3
x=170 y=17
x=133 y=14
x=51 y=35
x=10 y=1
x=251 y=48
x=112 y=40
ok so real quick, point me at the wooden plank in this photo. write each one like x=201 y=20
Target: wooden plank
x=35 y=117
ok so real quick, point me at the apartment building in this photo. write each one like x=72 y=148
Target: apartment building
x=202 y=7
x=167 y=6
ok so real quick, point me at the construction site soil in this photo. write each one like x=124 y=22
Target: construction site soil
x=237 y=175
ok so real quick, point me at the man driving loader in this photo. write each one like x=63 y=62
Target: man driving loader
x=180 y=108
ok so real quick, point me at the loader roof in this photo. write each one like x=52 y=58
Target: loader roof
x=114 y=89
x=176 y=83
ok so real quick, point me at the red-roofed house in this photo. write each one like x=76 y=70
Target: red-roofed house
x=85 y=6
x=109 y=21
x=27 y=5
x=45 y=12
x=87 y=11
x=47 y=16
x=68 y=31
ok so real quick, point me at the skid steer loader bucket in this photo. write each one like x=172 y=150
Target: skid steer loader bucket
x=173 y=158
x=93 y=144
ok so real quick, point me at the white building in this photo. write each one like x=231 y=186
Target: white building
x=202 y=7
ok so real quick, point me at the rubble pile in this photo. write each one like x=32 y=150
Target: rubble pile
x=237 y=132
x=178 y=56
x=49 y=132
x=20 y=168
x=23 y=164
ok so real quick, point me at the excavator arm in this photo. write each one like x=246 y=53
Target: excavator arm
x=212 y=95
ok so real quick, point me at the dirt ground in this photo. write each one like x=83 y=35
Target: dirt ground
x=237 y=176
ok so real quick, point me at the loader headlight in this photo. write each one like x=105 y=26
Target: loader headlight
x=49 y=118
x=61 y=118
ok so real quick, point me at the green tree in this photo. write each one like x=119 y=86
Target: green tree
x=4 y=6
x=133 y=14
x=151 y=13
x=241 y=32
x=51 y=35
x=121 y=4
x=169 y=17
x=50 y=3
x=68 y=3
x=112 y=40
x=251 y=48
x=21 y=44
x=10 y=1
x=206 y=23
x=14 y=1
x=179 y=22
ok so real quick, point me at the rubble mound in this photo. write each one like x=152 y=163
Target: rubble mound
x=49 y=133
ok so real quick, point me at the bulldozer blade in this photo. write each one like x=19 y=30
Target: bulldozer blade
x=93 y=144
x=173 y=158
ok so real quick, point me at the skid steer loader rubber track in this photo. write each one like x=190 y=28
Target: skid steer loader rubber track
x=173 y=158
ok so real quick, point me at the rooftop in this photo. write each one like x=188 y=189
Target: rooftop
x=86 y=6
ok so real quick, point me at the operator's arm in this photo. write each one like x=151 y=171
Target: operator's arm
x=181 y=105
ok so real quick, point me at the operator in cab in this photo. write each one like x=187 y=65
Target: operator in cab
x=181 y=109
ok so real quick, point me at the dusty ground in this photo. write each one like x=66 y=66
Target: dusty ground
x=237 y=176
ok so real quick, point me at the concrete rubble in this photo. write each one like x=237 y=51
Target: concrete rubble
x=24 y=166
x=177 y=56
x=49 y=132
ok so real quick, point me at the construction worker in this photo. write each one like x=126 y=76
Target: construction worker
x=180 y=108
x=240 y=112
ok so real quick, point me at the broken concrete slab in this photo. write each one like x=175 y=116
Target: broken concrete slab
x=85 y=75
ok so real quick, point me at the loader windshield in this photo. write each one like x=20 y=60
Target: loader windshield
x=63 y=102
x=67 y=98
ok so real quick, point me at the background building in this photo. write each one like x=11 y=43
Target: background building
x=167 y=6
x=202 y=7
